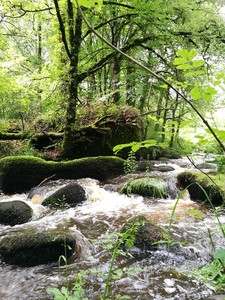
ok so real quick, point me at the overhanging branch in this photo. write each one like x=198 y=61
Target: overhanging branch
x=159 y=78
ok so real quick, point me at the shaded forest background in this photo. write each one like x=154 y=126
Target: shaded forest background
x=67 y=93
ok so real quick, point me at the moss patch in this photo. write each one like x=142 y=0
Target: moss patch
x=199 y=185
x=20 y=173
x=147 y=187
x=14 y=212
x=31 y=248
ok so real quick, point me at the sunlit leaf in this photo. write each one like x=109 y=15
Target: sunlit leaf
x=135 y=147
x=191 y=73
x=207 y=96
x=172 y=123
x=183 y=53
x=195 y=93
x=187 y=123
x=179 y=61
x=191 y=54
x=211 y=90
x=90 y=3
x=198 y=63
x=164 y=86
x=183 y=67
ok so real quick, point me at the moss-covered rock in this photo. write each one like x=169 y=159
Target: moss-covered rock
x=99 y=140
x=14 y=212
x=67 y=196
x=199 y=186
x=151 y=153
x=147 y=187
x=144 y=235
x=20 y=173
x=30 y=247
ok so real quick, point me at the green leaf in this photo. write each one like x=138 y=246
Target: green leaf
x=136 y=147
x=220 y=254
x=164 y=86
x=56 y=293
x=119 y=147
x=199 y=72
x=207 y=96
x=220 y=76
x=183 y=67
x=211 y=90
x=195 y=93
x=198 y=63
x=183 y=53
x=172 y=123
x=90 y=3
x=187 y=123
x=179 y=61
x=191 y=73
x=191 y=54
x=117 y=274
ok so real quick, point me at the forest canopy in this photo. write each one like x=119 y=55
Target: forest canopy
x=56 y=74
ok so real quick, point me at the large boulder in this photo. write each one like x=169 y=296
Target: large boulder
x=15 y=212
x=201 y=188
x=20 y=173
x=147 y=187
x=31 y=247
x=67 y=196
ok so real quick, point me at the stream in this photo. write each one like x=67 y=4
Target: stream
x=163 y=275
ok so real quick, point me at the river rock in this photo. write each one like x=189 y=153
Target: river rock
x=14 y=212
x=144 y=236
x=201 y=188
x=68 y=196
x=147 y=187
x=32 y=247
x=163 y=168
x=19 y=174
x=209 y=167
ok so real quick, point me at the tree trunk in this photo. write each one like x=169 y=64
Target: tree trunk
x=75 y=32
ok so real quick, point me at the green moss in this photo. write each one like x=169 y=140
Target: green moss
x=199 y=185
x=150 y=187
x=20 y=173
x=30 y=247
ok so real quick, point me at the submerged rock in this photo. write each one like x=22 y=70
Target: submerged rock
x=201 y=188
x=14 y=212
x=32 y=247
x=68 y=196
x=19 y=174
x=143 y=237
x=147 y=187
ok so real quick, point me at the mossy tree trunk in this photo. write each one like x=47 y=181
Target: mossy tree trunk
x=75 y=31
x=71 y=34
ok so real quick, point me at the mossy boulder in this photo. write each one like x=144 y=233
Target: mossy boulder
x=151 y=153
x=32 y=247
x=14 y=212
x=201 y=188
x=143 y=236
x=98 y=140
x=68 y=196
x=147 y=187
x=20 y=173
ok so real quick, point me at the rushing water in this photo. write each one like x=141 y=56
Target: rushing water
x=163 y=275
